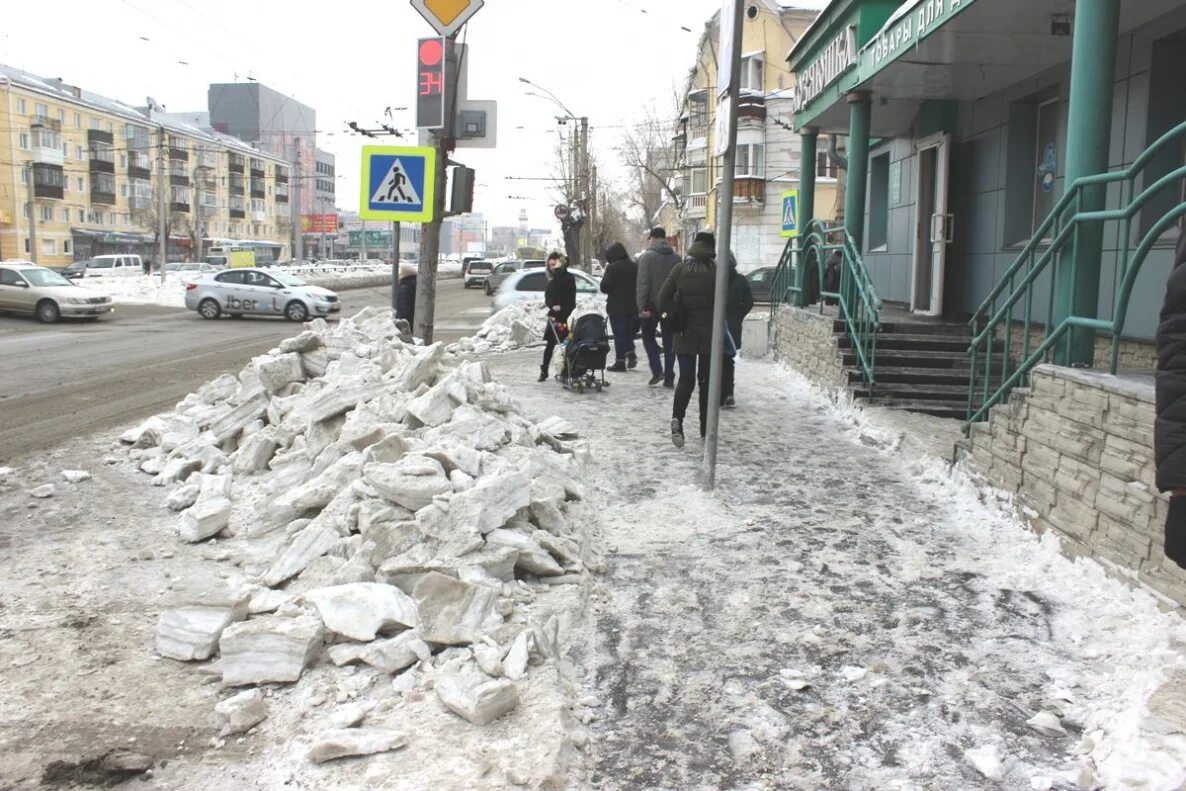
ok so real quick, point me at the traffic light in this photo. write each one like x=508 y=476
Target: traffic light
x=430 y=83
x=461 y=195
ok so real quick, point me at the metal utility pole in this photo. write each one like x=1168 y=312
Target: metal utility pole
x=724 y=231
x=298 y=244
x=162 y=205
x=362 y=255
x=394 y=261
x=32 y=213
x=586 y=245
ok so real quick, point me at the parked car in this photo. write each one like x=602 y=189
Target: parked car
x=760 y=281
x=505 y=268
x=44 y=293
x=115 y=266
x=530 y=284
x=75 y=271
x=190 y=267
x=252 y=291
x=476 y=272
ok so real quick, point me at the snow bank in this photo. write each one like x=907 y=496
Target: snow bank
x=518 y=325
x=390 y=507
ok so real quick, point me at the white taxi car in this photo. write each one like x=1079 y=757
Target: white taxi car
x=256 y=292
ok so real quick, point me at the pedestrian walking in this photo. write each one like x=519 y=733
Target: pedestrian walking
x=405 y=294
x=739 y=303
x=1169 y=434
x=654 y=267
x=687 y=299
x=561 y=300
x=619 y=284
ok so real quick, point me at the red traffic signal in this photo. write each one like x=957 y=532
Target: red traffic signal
x=430 y=83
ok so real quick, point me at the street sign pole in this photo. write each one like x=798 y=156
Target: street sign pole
x=394 y=261
x=724 y=229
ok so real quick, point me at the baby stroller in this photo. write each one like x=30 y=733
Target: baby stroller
x=585 y=353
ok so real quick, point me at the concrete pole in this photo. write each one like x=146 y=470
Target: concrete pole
x=808 y=140
x=362 y=255
x=394 y=261
x=724 y=220
x=586 y=245
x=298 y=246
x=32 y=214
x=162 y=205
x=860 y=105
x=1089 y=124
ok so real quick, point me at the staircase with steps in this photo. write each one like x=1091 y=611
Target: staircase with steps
x=922 y=366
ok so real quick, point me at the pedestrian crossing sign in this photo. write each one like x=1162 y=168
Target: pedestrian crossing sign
x=790 y=214
x=398 y=184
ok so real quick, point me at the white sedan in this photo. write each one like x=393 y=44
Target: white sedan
x=245 y=291
x=530 y=284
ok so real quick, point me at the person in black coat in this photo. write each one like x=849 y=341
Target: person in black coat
x=561 y=300
x=688 y=293
x=739 y=302
x=1169 y=431
x=405 y=295
x=620 y=284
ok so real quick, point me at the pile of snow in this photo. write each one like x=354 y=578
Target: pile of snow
x=143 y=289
x=518 y=325
x=389 y=506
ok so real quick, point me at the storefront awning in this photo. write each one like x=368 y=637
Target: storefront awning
x=113 y=237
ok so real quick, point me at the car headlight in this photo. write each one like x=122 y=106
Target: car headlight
x=76 y=301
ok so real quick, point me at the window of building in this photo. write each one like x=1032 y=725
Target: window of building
x=61 y=116
x=81 y=184
x=98 y=218
x=67 y=247
x=20 y=106
x=78 y=120
x=825 y=168
x=752 y=71
x=123 y=160
x=698 y=111
x=48 y=247
x=78 y=153
x=41 y=110
x=1033 y=164
x=95 y=123
x=123 y=190
x=110 y=128
x=878 y=234
x=750 y=161
x=25 y=207
x=26 y=245
x=24 y=140
x=699 y=181
x=1167 y=105
x=66 y=215
x=47 y=213
x=103 y=182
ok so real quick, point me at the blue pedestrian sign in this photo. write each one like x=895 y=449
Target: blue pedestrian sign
x=398 y=184
x=790 y=214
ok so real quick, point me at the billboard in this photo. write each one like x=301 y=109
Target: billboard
x=319 y=223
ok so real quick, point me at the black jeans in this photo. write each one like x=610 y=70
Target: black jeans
x=622 y=325
x=551 y=338
x=693 y=374
x=665 y=366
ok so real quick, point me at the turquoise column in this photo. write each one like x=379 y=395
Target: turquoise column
x=808 y=141
x=1089 y=124
x=860 y=105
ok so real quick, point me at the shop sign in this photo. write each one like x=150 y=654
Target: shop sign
x=838 y=57
x=916 y=20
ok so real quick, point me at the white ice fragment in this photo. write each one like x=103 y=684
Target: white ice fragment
x=345 y=742
x=43 y=492
x=987 y=761
x=853 y=674
x=76 y=476
x=1046 y=723
x=242 y=712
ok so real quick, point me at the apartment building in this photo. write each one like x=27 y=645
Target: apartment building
x=84 y=175
x=768 y=152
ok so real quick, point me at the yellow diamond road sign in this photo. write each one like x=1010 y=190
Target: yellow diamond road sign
x=447 y=16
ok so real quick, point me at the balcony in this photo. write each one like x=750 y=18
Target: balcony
x=49 y=181
x=282 y=198
x=140 y=202
x=749 y=189
x=238 y=214
x=281 y=176
x=257 y=172
x=235 y=163
x=102 y=196
x=208 y=159
x=176 y=151
x=259 y=216
x=697 y=206
x=697 y=137
x=138 y=166
x=179 y=179
x=99 y=136
x=258 y=189
x=46 y=147
x=751 y=106
x=179 y=208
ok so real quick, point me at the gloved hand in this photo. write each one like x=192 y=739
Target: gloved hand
x=1175 y=531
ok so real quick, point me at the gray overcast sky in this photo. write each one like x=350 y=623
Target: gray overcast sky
x=350 y=59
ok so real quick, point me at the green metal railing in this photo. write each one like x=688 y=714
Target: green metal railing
x=856 y=298
x=1051 y=248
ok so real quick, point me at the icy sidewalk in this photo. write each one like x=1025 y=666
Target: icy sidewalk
x=842 y=613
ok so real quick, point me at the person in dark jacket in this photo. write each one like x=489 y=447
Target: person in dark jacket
x=832 y=276
x=1169 y=431
x=405 y=295
x=654 y=266
x=619 y=284
x=689 y=292
x=740 y=302
x=561 y=300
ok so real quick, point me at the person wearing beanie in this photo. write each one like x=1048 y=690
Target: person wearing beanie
x=739 y=301
x=687 y=298
x=560 y=297
x=654 y=266
x=618 y=284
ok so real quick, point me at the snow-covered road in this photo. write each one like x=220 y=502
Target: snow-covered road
x=841 y=614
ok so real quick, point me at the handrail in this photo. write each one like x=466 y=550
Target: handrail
x=859 y=305
x=1058 y=235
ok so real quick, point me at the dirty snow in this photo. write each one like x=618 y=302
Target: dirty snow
x=518 y=325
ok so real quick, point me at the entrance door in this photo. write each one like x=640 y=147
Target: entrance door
x=934 y=225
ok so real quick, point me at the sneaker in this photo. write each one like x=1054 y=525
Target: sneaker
x=631 y=361
x=677 y=432
x=617 y=368
x=669 y=384
x=729 y=402
x=656 y=379
x=543 y=374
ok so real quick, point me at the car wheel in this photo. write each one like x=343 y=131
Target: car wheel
x=47 y=311
x=489 y=291
x=296 y=311
x=208 y=309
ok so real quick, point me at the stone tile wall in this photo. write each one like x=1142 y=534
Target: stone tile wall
x=803 y=339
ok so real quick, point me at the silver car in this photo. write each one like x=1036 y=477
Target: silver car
x=28 y=288
x=255 y=292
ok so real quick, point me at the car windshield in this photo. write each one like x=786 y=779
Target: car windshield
x=42 y=278
x=288 y=280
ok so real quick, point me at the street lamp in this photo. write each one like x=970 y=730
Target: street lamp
x=551 y=96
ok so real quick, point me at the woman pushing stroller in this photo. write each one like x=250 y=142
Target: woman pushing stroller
x=561 y=299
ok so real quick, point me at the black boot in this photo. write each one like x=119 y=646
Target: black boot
x=543 y=373
x=1175 y=531
x=617 y=368
x=677 y=432
x=631 y=361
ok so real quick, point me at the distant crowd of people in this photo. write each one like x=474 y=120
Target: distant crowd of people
x=669 y=299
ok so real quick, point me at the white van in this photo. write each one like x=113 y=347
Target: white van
x=114 y=266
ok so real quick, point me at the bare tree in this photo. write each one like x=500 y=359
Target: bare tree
x=176 y=222
x=649 y=152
